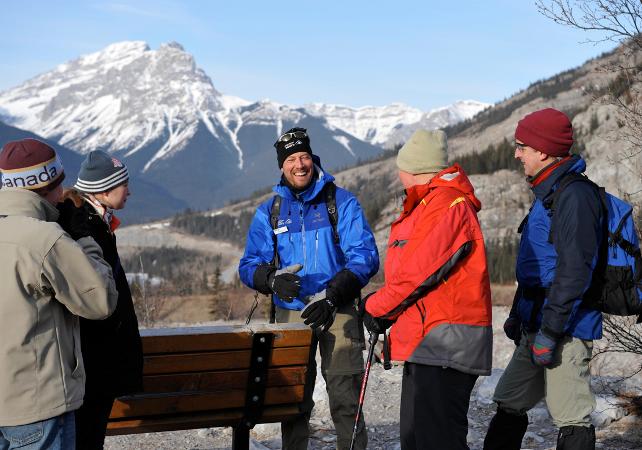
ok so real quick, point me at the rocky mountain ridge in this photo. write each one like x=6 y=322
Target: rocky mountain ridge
x=504 y=193
x=161 y=113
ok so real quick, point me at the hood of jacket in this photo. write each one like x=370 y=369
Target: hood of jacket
x=22 y=202
x=452 y=177
x=319 y=180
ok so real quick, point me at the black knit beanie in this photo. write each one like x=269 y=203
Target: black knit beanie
x=292 y=141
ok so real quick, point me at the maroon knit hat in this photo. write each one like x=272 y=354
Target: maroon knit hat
x=30 y=164
x=547 y=130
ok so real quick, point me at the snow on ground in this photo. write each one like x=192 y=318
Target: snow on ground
x=616 y=428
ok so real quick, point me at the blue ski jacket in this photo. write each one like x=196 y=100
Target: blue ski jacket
x=304 y=236
x=560 y=271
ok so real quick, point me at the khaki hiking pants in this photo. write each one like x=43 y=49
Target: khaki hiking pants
x=565 y=386
x=342 y=368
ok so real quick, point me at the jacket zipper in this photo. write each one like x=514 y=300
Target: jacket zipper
x=303 y=233
x=316 y=248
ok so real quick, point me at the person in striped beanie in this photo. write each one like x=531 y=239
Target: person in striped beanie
x=105 y=178
x=111 y=348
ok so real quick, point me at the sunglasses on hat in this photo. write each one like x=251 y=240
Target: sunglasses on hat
x=286 y=137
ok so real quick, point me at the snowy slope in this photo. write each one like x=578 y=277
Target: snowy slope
x=122 y=97
x=392 y=124
x=437 y=118
x=162 y=114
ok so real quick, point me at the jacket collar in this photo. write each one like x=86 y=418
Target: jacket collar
x=22 y=202
x=319 y=180
x=453 y=177
x=545 y=182
x=105 y=214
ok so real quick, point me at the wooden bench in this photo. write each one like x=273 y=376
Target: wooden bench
x=204 y=377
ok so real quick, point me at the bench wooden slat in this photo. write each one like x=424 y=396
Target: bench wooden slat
x=192 y=421
x=218 y=381
x=199 y=377
x=196 y=362
x=200 y=339
x=181 y=402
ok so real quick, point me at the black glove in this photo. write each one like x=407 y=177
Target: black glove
x=74 y=221
x=513 y=329
x=320 y=312
x=282 y=282
x=376 y=325
x=285 y=283
x=344 y=287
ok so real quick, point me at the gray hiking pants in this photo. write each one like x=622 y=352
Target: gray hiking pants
x=565 y=385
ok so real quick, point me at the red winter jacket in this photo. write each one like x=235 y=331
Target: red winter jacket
x=437 y=288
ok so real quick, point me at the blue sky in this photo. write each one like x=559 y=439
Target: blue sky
x=422 y=53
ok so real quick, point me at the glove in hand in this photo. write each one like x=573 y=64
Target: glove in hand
x=543 y=349
x=513 y=329
x=285 y=283
x=319 y=312
x=74 y=221
x=376 y=325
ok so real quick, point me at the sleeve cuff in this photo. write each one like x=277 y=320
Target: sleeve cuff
x=344 y=287
x=260 y=279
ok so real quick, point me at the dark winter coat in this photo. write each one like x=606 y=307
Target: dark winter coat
x=560 y=269
x=111 y=348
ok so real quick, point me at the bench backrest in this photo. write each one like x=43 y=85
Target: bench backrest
x=217 y=376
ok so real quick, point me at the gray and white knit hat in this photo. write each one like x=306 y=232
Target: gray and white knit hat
x=100 y=172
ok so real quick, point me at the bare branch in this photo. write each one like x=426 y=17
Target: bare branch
x=618 y=21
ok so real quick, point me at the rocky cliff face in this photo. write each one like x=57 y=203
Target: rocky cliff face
x=505 y=194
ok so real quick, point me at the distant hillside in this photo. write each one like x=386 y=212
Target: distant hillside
x=483 y=146
x=144 y=192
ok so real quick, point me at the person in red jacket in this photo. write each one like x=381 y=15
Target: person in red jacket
x=436 y=296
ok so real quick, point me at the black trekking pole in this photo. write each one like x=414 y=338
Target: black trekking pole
x=374 y=337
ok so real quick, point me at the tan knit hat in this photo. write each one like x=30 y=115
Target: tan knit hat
x=425 y=152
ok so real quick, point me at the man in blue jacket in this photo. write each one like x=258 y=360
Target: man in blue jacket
x=553 y=330
x=314 y=260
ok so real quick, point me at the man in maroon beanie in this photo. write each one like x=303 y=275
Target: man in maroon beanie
x=552 y=329
x=47 y=280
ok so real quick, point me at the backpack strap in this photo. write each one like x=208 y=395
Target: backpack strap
x=330 y=196
x=592 y=295
x=522 y=224
x=550 y=203
x=616 y=238
x=275 y=211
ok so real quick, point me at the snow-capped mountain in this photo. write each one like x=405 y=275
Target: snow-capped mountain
x=390 y=125
x=123 y=97
x=162 y=114
x=372 y=124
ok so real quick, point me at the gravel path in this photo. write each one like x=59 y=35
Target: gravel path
x=616 y=429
